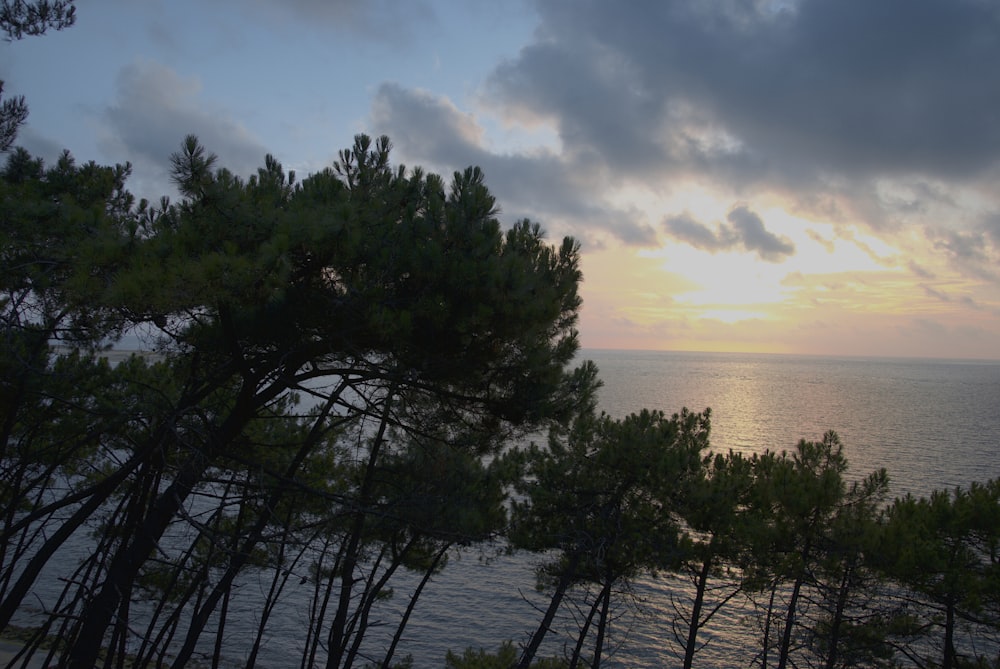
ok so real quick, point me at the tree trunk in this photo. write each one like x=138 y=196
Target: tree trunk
x=127 y=562
x=838 y=618
x=242 y=553
x=786 y=637
x=602 y=624
x=950 y=656
x=767 y=625
x=410 y=606
x=129 y=559
x=317 y=610
x=699 y=599
x=337 y=643
x=100 y=494
x=574 y=660
x=550 y=613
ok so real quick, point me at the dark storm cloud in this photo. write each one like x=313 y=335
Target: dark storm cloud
x=762 y=90
x=745 y=231
x=542 y=186
x=154 y=109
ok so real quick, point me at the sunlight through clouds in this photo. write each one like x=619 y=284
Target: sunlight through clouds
x=781 y=176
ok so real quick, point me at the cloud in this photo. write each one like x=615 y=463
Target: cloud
x=813 y=100
x=154 y=109
x=973 y=253
x=745 y=231
x=431 y=131
x=827 y=244
x=685 y=228
x=750 y=230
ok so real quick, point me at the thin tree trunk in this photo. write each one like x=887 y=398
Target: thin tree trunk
x=767 y=625
x=324 y=606
x=241 y=555
x=217 y=649
x=129 y=559
x=574 y=660
x=278 y=583
x=838 y=618
x=359 y=621
x=550 y=613
x=950 y=656
x=699 y=599
x=411 y=605
x=602 y=624
x=337 y=639
x=100 y=494
x=127 y=563
x=317 y=610
x=786 y=638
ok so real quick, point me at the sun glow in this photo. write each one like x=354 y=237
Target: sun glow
x=798 y=285
x=730 y=316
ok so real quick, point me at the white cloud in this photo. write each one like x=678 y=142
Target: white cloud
x=154 y=109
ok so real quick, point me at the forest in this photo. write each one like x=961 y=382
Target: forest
x=361 y=374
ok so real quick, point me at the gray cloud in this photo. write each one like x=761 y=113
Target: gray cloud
x=153 y=111
x=745 y=230
x=991 y=223
x=752 y=92
x=749 y=229
x=685 y=228
x=544 y=186
x=970 y=252
x=963 y=246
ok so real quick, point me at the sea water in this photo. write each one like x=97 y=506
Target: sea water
x=932 y=424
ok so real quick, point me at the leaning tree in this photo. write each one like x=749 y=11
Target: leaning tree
x=327 y=354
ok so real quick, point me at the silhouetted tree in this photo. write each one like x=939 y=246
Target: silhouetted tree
x=603 y=496
x=368 y=323
x=714 y=510
x=945 y=551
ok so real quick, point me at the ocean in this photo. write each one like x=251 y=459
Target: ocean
x=932 y=424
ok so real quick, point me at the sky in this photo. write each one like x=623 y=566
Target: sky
x=787 y=176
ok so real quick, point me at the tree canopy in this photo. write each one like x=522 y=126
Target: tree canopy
x=366 y=320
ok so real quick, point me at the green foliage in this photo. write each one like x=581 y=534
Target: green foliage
x=504 y=658
x=421 y=335
x=811 y=535
x=603 y=489
x=944 y=550
x=602 y=495
x=19 y=18
x=13 y=114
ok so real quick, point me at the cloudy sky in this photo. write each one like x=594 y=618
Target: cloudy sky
x=797 y=176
